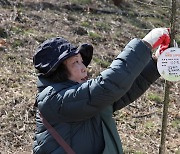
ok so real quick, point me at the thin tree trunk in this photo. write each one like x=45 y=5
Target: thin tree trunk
x=167 y=84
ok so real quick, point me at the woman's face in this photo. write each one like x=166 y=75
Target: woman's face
x=77 y=70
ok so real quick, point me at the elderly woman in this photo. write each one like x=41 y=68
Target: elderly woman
x=74 y=113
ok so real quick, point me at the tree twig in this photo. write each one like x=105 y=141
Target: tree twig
x=149 y=4
x=144 y=115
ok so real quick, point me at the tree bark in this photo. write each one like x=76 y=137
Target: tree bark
x=168 y=84
x=117 y=2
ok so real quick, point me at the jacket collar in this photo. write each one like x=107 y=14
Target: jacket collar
x=42 y=83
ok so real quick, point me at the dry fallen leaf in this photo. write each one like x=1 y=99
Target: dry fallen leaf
x=3 y=43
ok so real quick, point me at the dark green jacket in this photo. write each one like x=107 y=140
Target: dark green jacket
x=82 y=113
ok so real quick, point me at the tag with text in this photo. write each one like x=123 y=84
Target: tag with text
x=168 y=64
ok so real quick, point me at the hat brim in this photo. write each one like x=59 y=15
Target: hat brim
x=86 y=51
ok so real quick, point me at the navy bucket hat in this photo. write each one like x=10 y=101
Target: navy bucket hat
x=52 y=52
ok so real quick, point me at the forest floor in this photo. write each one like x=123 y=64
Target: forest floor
x=24 y=24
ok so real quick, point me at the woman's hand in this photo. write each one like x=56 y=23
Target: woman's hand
x=158 y=37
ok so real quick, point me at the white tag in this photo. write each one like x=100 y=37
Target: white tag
x=168 y=64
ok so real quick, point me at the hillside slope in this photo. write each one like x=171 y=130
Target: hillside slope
x=26 y=23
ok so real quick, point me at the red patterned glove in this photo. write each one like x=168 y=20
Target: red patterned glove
x=158 y=37
x=162 y=48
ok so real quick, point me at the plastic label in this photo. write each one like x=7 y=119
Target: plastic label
x=168 y=64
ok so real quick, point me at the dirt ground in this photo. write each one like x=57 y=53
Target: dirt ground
x=26 y=23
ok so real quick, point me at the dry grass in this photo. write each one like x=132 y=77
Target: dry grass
x=30 y=22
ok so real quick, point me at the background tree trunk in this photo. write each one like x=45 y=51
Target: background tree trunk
x=117 y=2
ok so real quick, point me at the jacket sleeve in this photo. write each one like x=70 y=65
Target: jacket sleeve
x=85 y=100
x=140 y=85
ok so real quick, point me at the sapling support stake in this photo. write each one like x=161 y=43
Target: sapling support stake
x=167 y=83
